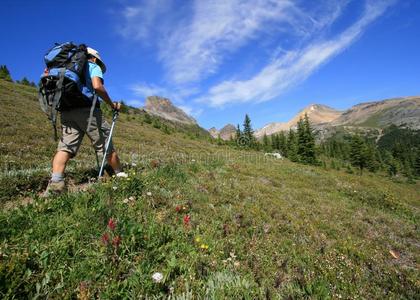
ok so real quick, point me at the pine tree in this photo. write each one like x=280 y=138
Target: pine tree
x=25 y=81
x=248 y=133
x=358 y=153
x=417 y=163
x=306 y=141
x=266 y=143
x=292 y=147
x=238 y=135
x=281 y=137
x=372 y=163
x=4 y=73
x=274 y=142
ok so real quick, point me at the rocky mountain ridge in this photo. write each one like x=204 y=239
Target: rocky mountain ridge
x=226 y=133
x=163 y=107
x=376 y=114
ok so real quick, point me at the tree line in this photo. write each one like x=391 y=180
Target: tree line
x=5 y=75
x=396 y=152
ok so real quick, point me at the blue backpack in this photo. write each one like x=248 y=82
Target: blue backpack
x=63 y=85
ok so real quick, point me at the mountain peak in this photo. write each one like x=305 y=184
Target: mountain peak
x=164 y=108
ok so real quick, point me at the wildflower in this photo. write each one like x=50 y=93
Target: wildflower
x=114 y=188
x=157 y=277
x=131 y=198
x=187 y=220
x=149 y=193
x=126 y=200
x=111 y=224
x=178 y=208
x=122 y=174
x=197 y=239
x=105 y=238
x=116 y=241
x=204 y=246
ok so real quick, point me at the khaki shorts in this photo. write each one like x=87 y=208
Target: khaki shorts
x=74 y=125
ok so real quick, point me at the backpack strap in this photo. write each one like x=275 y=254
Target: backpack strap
x=56 y=101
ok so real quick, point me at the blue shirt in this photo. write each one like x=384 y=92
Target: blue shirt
x=93 y=70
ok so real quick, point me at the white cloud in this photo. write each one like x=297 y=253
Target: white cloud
x=291 y=68
x=145 y=90
x=142 y=19
x=192 y=43
x=194 y=40
x=218 y=28
x=191 y=111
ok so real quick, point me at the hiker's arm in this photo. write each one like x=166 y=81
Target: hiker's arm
x=101 y=91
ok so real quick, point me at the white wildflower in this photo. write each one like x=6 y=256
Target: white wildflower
x=114 y=188
x=125 y=201
x=122 y=174
x=157 y=277
x=149 y=193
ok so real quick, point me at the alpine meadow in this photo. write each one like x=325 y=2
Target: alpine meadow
x=210 y=149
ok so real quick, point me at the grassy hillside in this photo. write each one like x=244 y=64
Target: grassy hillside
x=213 y=221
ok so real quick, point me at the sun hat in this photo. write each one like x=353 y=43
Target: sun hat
x=99 y=60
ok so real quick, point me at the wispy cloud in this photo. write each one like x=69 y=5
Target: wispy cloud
x=142 y=19
x=194 y=41
x=293 y=67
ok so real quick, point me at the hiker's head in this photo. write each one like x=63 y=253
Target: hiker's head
x=94 y=56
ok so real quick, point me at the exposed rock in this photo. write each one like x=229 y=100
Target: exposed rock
x=227 y=132
x=317 y=113
x=399 y=111
x=164 y=108
x=214 y=132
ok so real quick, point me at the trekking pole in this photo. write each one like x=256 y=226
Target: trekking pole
x=108 y=142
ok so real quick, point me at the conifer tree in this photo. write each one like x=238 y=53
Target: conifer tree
x=306 y=141
x=238 y=135
x=266 y=143
x=248 y=133
x=281 y=137
x=292 y=147
x=417 y=163
x=25 y=81
x=4 y=73
x=358 y=153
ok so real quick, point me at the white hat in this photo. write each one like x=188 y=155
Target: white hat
x=99 y=61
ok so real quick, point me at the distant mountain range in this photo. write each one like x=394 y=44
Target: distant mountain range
x=378 y=114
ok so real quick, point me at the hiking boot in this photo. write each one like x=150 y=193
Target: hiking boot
x=55 y=188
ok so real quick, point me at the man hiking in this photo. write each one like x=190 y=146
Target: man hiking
x=76 y=122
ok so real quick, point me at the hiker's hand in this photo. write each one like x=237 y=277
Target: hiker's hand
x=116 y=106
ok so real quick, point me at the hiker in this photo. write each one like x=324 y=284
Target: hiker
x=76 y=122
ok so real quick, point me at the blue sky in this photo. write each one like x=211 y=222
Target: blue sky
x=220 y=59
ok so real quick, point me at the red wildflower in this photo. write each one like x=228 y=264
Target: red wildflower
x=112 y=224
x=178 y=208
x=105 y=238
x=187 y=219
x=116 y=241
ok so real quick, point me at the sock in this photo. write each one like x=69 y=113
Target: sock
x=56 y=177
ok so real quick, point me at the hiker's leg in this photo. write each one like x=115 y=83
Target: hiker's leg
x=59 y=162
x=71 y=139
x=99 y=137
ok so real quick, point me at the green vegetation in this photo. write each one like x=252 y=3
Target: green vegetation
x=395 y=152
x=215 y=221
x=4 y=73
